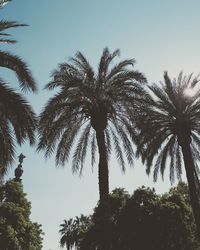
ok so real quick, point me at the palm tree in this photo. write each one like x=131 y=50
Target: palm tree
x=169 y=126
x=73 y=230
x=91 y=109
x=67 y=234
x=18 y=121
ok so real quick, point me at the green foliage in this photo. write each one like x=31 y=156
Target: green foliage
x=16 y=229
x=144 y=221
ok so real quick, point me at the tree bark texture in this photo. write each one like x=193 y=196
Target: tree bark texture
x=104 y=227
x=192 y=183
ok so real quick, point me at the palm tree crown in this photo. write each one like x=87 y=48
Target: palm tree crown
x=88 y=102
x=169 y=128
x=171 y=118
x=18 y=120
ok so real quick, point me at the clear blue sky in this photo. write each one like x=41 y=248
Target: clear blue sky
x=159 y=34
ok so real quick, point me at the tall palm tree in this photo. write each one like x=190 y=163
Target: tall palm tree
x=169 y=127
x=91 y=109
x=17 y=119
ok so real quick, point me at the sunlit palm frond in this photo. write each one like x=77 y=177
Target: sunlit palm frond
x=3 y=3
x=165 y=122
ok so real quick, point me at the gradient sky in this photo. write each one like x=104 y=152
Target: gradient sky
x=160 y=34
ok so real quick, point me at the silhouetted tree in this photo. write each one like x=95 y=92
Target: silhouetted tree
x=169 y=129
x=153 y=222
x=73 y=230
x=17 y=119
x=143 y=221
x=97 y=109
x=16 y=229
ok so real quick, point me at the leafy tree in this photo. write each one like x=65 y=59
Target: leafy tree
x=149 y=221
x=16 y=229
x=18 y=120
x=169 y=129
x=97 y=109
x=146 y=220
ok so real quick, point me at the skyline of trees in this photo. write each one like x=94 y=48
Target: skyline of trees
x=111 y=110
x=143 y=220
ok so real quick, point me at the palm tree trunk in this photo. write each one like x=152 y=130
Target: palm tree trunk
x=190 y=173
x=104 y=219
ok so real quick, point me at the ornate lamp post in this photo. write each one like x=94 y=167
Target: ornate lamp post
x=19 y=170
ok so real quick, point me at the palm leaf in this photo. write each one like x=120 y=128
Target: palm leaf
x=20 y=68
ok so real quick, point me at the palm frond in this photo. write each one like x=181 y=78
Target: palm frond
x=3 y=3
x=80 y=151
x=66 y=143
x=122 y=133
x=119 y=68
x=161 y=160
x=108 y=143
x=118 y=150
x=7 y=149
x=105 y=61
x=93 y=149
x=4 y=25
x=23 y=74
x=3 y=40
x=18 y=122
